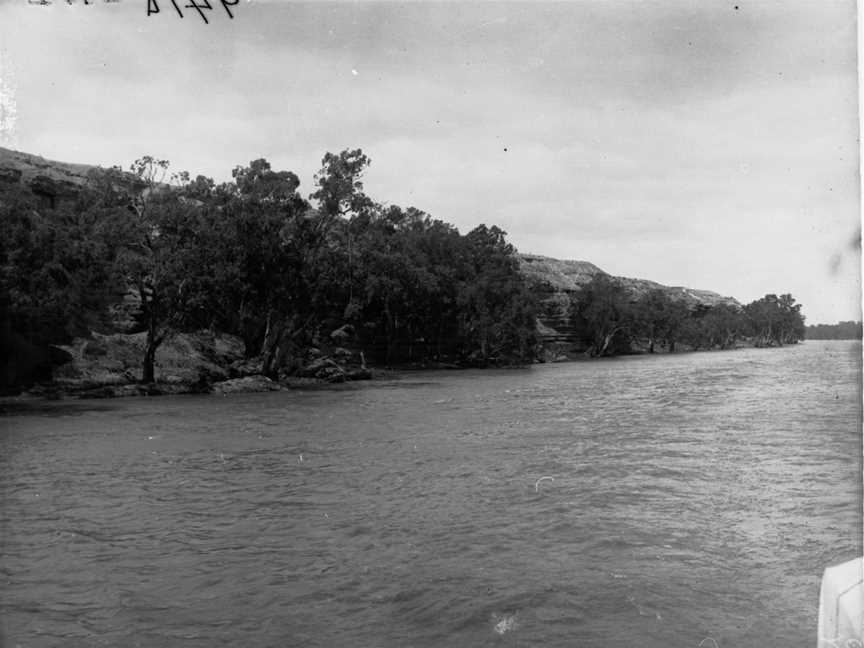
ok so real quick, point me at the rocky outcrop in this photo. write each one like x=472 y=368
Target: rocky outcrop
x=340 y=365
x=54 y=193
x=33 y=170
x=691 y=296
x=10 y=176
x=54 y=183
x=246 y=385
x=111 y=364
x=557 y=283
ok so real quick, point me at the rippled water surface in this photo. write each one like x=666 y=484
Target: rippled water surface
x=648 y=501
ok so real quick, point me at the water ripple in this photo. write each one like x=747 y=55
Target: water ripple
x=645 y=501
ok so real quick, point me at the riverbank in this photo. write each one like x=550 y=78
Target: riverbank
x=109 y=366
x=185 y=369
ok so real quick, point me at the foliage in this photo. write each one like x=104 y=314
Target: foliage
x=290 y=275
x=840 y=331
x=604 y=312
x=253 y=258
x=340 y=189
x=612 y=322
x=775 y=321
x=497 y=313
x=51 y=268
x=660 y=319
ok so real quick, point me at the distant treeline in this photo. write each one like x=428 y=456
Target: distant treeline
x=332 y=272
x=839 y=331
x=615 y=323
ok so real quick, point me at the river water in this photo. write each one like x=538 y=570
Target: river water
x=681 y=500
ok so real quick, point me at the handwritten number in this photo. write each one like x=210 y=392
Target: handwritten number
x=230 y=3
x=199 y=5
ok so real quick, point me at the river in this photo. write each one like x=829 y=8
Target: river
x=685 y=500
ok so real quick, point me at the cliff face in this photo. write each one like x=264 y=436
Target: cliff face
x=25 y=168
x=53 y=182
x=557 y=283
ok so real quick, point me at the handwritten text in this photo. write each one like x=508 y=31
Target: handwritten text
x=197 y=5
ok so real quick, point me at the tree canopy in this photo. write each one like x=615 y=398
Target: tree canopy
x=613 y=321
x=254 y=258
x=289 y=274
x=841 y=331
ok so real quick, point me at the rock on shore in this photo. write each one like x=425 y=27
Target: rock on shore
x=245 y=385
x=110 y=365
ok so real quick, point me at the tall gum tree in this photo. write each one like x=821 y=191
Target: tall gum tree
x=162 y=256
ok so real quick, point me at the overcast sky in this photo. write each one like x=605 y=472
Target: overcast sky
x=710 y=144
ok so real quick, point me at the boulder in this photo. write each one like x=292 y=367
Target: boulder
x=186 y=362
x=342 y=333
x=247 y=384
x=9 y=175
x=245 y=367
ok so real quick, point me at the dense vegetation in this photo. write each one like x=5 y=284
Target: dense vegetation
x=612 y=322
x=839 y=331
x=254 y=258
x=334 y=273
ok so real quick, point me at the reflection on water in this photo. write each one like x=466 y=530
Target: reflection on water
x=678 y=500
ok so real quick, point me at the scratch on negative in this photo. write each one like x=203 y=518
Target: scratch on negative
x=8 y=100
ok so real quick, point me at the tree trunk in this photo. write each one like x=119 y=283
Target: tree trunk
x=285 y=335
x=607 y=340
x=148 y=374
x=270 y=346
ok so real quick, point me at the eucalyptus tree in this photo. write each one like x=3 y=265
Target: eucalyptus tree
x=602 y=311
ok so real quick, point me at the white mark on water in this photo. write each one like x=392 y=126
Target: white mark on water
x=300 y=458
x=851 y=642
x=504 y=623
x=711 y=639
x=537 y=483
